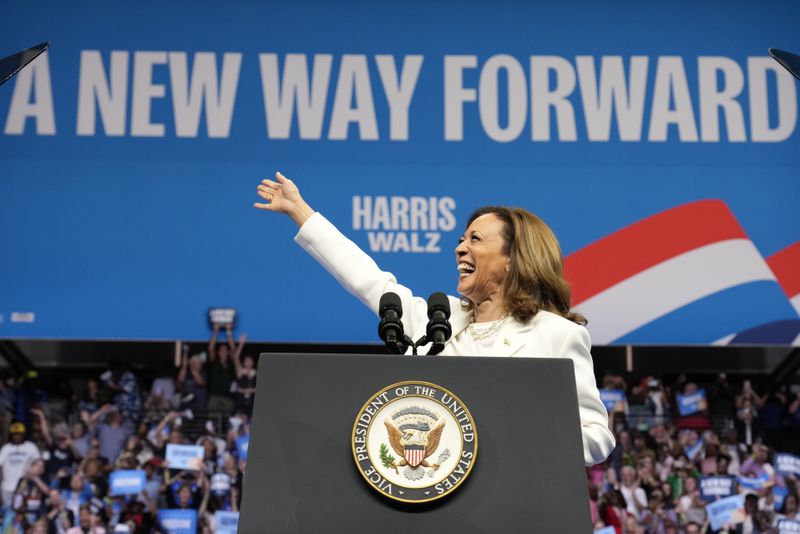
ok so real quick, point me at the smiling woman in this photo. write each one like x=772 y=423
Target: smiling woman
x=514 y=299
x=533 y=275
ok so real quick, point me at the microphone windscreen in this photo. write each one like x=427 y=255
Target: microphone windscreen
x=390 y=301
x=439 y=302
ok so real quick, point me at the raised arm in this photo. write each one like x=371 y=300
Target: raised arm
x=229 y=338
x=282 y=196
x=45 y=426
x=236 y=355
x=352 y=267
x=99 y=414
x=206 y=486
x=181 y=378
x=171 y=416
x=212 y=344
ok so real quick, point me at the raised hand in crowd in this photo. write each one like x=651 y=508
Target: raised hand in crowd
x=205 y=485
x=94 y=418
x=168 y=419
x=212 y=343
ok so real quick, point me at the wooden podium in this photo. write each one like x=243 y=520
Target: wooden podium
x=301 y=475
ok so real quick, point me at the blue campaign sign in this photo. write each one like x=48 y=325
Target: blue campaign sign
x=753 y=483
x=610 y=397
x=226 y=522
x=787 y=526
x=692 y=450
x=692 y=403
x=716 y=487
x=242 y=444
x=727 y=511
x=185 y=456
x=659 y=143
x=787 y=464
x=178 y=521
x=127 y=482
x=779 y=494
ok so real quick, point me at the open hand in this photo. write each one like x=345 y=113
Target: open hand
x=283 y=196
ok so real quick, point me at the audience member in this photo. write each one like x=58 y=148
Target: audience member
x=222 y=372
x=59 y=481
x=193 y=383
x=15 y=456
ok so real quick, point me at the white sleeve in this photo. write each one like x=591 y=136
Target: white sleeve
x=357 y=272
x=33 y=451
x=598 y=441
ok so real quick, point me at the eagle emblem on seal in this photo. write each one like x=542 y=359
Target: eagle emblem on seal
x=414 y=434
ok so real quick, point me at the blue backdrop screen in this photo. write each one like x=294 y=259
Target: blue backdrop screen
x=660 y=143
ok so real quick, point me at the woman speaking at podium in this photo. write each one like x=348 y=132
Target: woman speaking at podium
x=514 y=299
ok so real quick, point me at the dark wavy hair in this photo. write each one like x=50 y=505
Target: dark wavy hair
x=535 y=280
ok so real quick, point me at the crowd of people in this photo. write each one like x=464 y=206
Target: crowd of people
x=653 y=481
x=59 y=466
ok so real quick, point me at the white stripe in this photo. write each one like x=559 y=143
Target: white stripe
x=671 y=284
x=795 y=300
x=796 y=342
x=721 y=342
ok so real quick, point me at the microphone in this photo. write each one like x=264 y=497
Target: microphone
x=390 y=329
x=438 y=330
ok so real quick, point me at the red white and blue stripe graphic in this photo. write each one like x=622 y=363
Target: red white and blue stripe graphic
x=687 y=275
x=414 y=454
x=786 y=266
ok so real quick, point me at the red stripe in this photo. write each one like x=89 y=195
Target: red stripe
x=786 y=266
x=646 y=243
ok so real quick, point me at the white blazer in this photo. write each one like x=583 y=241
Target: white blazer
x=546 y=335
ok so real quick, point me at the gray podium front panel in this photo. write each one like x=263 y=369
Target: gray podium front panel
x=528 y=475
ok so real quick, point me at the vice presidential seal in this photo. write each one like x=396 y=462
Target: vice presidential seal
x=414 y=441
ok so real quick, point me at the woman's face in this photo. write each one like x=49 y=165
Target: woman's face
x=92 y=468
x=133 y=442
x=85 y=517
x=481 y=258
x=76 y=482
x=37 y=468
x=78 y=431
x=185 y=496
x=791 y=504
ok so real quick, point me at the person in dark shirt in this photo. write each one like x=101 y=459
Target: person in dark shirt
x=245 y=383
x=59 y=517
x=93 y=469
x=221 y=370
x=137 y=518
x=192 y=381
x=29 y=498
x=60 y=454
x=185 y=493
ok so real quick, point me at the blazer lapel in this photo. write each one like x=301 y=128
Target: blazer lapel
x=513 y=339
x=459 y=320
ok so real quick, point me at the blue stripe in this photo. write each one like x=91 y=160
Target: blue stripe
x=732 y=310
x=783 y=332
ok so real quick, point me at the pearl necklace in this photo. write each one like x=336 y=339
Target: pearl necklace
x=492 y=330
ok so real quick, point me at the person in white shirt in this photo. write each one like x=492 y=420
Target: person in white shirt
x=14 y=457
x=635 y=497
x=514 y=299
